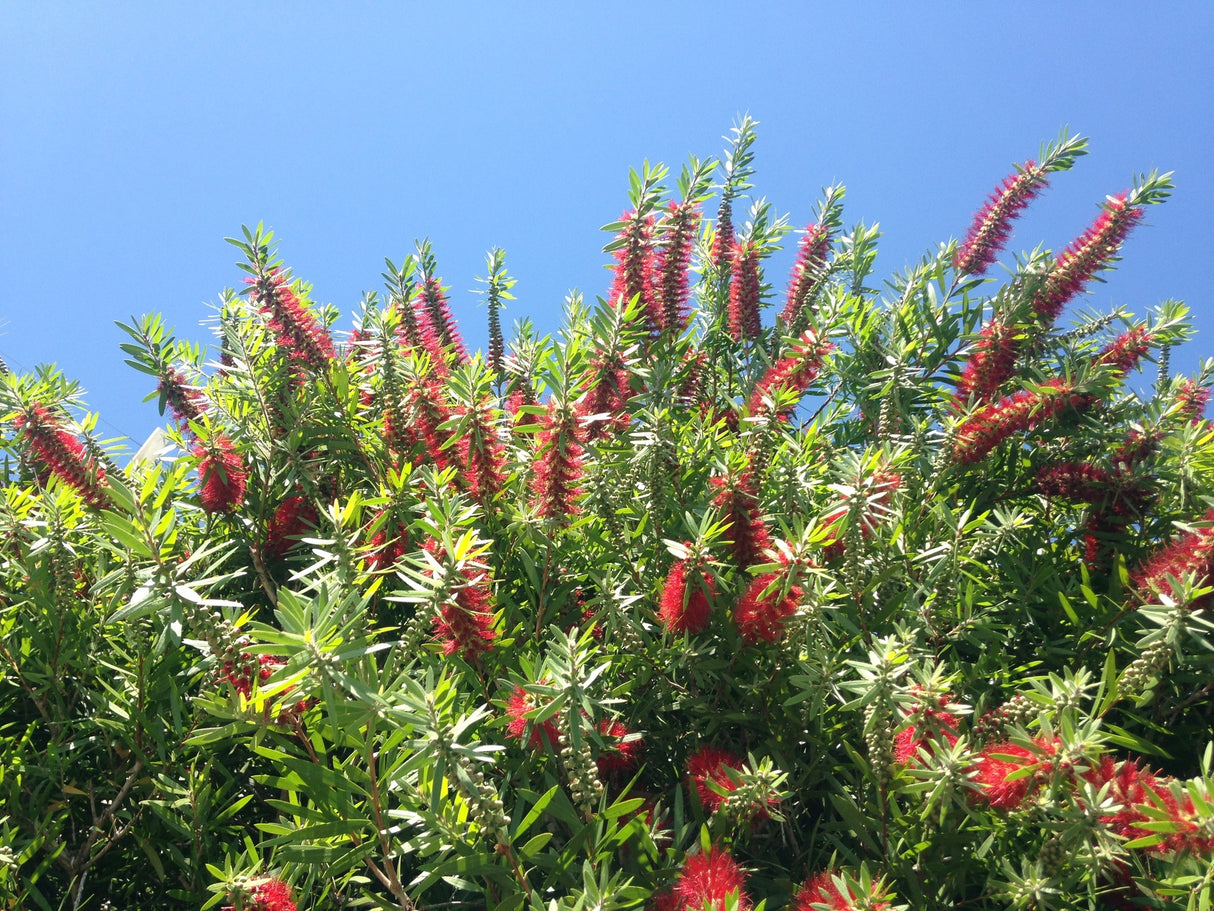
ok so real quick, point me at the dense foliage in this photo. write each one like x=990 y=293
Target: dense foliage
x=857 y=597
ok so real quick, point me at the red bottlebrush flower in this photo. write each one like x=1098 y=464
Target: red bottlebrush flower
x=986 y=428
x=1088 y=254
x=708 y=879
x=873 y=493
x=291 y=519
x=745 y=291
x=522 y=394
x=1123 y=353
x=634 y=268
x=1191 y=401
x=384 y=551
x=297 y=328
x=1078 y=482
x=268 y=895
x=761 y=617
x=997 y=762
x=1130 y=786
x=738 y=503
x=992 y=225
x=672 y=262
x=428 y=411
x=807 y=273
x=990 y=364
x=820 y=892
x=480 y=454
x=464 y=623
x=708 y=764
x=558 y=465
x=221 y=476
x=63 y=455
x=439 y=333
x=608 y=389
x=186 y=402
x=1193 y=553
x=723 y=241
x=1137 y=447
x=929 y=724
x=544 y=734
x=1191 y=832
x=620 y=754
x=687 y=598
x=792 y=373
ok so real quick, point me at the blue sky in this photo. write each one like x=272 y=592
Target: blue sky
x=135 y=137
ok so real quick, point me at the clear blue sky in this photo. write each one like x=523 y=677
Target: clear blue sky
x=134 y=137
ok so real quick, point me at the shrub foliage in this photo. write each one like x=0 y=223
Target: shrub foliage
x=843 y=597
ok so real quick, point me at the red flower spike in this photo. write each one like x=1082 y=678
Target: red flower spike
x=738 y=503
x=1123 y=353
x=672 y=263
x=1078 y=482
x=821 y=892
x=760 y=617
x=297 y=328
x=544 y=734
x=1088 y=254
x=992 y=225
x=745 y=290
x=1193 y=552
x=293 y=517
x=186 y=402
x=63 y=455
x=1192 y=401
x=708 y=879
x=929 y=725
x=481 y=455
x=723 y=241
x=709 y=764
x=793 y=372
x=991 y=363
x=464 y=624
x=806 y=272
x=1130 y=786
x=439 y=333
x=634 y=268
x=558 y=465
x=997 y=762
x=875 y=492
x=992 y=424
x=268 y=895
x=687 y=598
x=221 y=476
x=619 y=755
x=608 y=389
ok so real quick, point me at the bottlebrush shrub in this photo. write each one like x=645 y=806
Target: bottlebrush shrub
x=812 y=597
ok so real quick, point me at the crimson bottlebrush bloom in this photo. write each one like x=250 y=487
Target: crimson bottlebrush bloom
x=620 y=754
x=1123 y=353
x=687 y=598
x=929 y=725
x=1129 y=786
x=292 y=518
x=745 y=291
x=1088 y=254
x=807 y=272
x=522 y=394
x=480 y=455
x=1078 y=482
x=543 y=734
x=738 y=504
x=997 y=762
x=820 y=892
x=268 y=895
x=1137 y=447
x=186 y=402
x=1193 y=553
x=62 y=454
x=709 y=764
x=439 y=333
x=297 y=329
x=1191 y=829
x=386 y=548
x=672 y=262
x=708 y=879
x=874 y=493
x=723 y=241
x=428 y=411
x=634 y=270
x=992 y=225
x=990 y=364
x=221 y=476
x=992 y=424
x=1191 y=401
x=464 y=623
x=608 y=388
x=761 y=614
x=792 y=373
x=558 y=465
